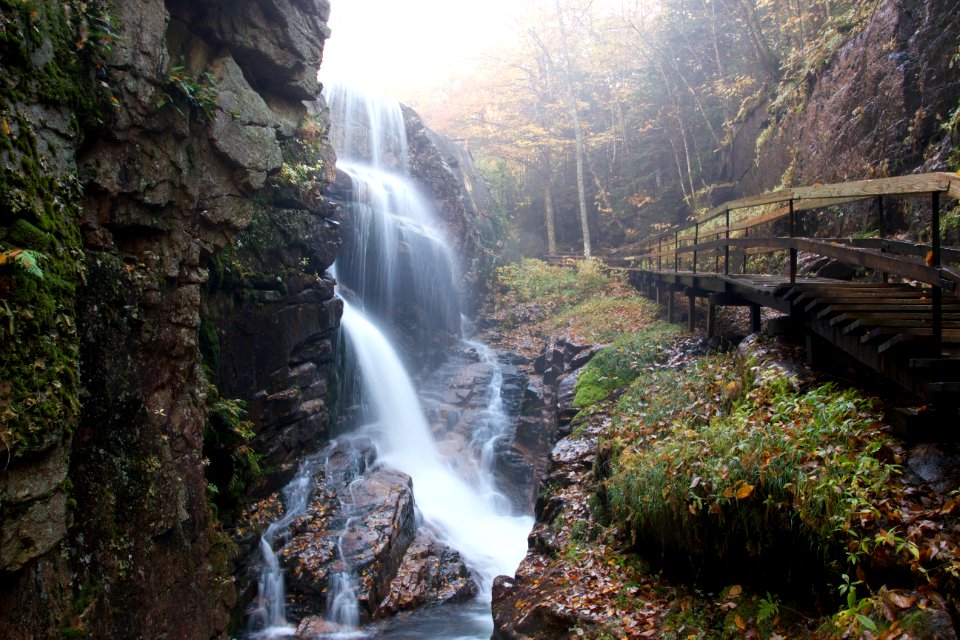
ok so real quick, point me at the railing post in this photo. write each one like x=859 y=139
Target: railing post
x=793 y=250
x=676 y=251
x=659 y=253
x=882 y=230
x=881 y=218
x=726 y=248
x=935 y=263
x=716 y=254
x=743 y=267
x=696 y=241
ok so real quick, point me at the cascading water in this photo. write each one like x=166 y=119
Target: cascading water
x=396 y=260
x=468 y=518
x=399 y=252
x=400 y=269
x=269 y=619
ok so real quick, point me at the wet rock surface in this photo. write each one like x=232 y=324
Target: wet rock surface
x=360 y=521
x=465 y=413
x=432 y=573
x=115 y=513
x=889 y=76
x=370 y=521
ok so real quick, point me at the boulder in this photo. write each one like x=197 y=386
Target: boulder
x=362 y=527
x=431 y=573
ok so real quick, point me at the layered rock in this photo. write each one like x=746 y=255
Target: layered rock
x=179 y=117
x=564 y=463
x=875 y=110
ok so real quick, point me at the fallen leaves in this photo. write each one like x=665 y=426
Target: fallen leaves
x=744 y=490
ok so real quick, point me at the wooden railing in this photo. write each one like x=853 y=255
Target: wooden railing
x=736 y=227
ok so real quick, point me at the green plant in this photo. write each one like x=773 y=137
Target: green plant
x=621 y=362
x=683 y=468
x=198 y=93
x=854 y=616
x=23 y=258
x=233 y=464
x=304 y=178
x=535 y=280
x=952 y=128
x=768 y=608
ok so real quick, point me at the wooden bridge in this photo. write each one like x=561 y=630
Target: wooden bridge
x=900 y=318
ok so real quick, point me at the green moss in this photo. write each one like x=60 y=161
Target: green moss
x=61 y=44
x=620 y=363
x=52 y=51
x=256 y=260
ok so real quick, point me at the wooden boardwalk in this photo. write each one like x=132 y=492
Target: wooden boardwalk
x=900 y=318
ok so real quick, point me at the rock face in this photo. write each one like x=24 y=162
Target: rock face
x=147 y=131
x=476 y=396
x=459 y=193
x=872 y=112
x=564 y=463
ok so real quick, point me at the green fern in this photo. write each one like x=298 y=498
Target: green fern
x=25 y=259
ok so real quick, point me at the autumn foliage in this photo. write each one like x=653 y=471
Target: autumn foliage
x=707 y=495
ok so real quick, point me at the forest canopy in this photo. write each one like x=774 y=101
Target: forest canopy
x=658 y=89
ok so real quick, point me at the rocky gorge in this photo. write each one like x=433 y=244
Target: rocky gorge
x=174 y=355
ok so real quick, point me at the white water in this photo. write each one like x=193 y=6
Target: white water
x=399 y=257
x=469 y=518
x=269 y=619
x=392 y=219
x=495 y=426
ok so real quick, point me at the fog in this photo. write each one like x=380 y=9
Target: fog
x=409 y=49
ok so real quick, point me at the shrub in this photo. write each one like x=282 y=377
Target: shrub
x=777 y=469
x=534 y=280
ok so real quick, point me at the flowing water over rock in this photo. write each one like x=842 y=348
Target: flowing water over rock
x=409 y=510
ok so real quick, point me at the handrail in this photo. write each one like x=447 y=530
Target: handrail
x=918 y=262
x=826 y=195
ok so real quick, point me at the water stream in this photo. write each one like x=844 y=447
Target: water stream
x=403 y=278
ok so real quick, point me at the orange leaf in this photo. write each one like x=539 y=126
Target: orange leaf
x=735 y=590
x=737 y=620
x=744 y=491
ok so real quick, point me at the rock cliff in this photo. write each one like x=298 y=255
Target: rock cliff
x=137 y=139
x=459 y=193
x=875 y=109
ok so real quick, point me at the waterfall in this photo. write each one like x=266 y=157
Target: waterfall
x=399 y=255
x=469 y=518
x=404 y=288
x=269 y=619
x=492 y=427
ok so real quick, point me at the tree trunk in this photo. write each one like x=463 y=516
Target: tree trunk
x=548 y=218
x=578 y=133
x=765 y=55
